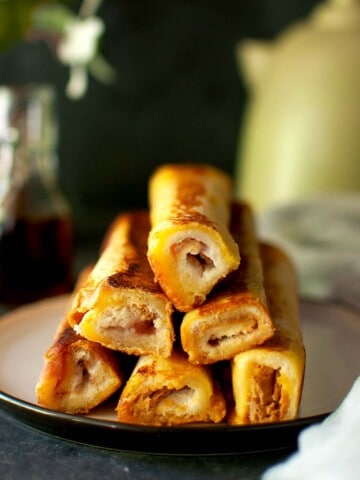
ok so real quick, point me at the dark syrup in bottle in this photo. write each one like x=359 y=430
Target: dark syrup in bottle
x=35 y=259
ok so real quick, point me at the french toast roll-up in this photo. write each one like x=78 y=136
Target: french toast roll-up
x=190 y=247
x=170 y=391
x=267 y=381
x=235 y=316
x=77 y=375
x=121 y=306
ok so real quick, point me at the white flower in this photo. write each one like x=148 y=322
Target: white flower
x=78 y=49
x=80 y=41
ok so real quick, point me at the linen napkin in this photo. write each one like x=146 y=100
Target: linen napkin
x=329 y=450
x=322 y=235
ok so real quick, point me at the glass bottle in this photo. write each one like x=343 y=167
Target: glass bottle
x=36 y=231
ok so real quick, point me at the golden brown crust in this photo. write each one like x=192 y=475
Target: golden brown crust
x=121 y=306
x=267 y=380
x=77 y=375
x=170 y=391
x=190 y=247
x=64 y=322
x=235 y=317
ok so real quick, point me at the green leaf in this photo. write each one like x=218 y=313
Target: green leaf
x=51 y=18
x=17 y=16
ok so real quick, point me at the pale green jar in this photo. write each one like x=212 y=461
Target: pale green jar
x=301 y=130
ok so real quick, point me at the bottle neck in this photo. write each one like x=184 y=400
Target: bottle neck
x=32 y=179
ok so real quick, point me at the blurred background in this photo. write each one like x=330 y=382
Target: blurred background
x=178 y=96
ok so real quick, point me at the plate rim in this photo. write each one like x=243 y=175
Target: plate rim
x=159 y=439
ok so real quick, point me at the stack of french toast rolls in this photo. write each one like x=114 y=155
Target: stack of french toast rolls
x=207 y=313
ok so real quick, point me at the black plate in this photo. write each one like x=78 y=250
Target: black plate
x=331 y=334
x=180 y=440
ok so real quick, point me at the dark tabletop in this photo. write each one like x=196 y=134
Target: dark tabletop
x=26 y=453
